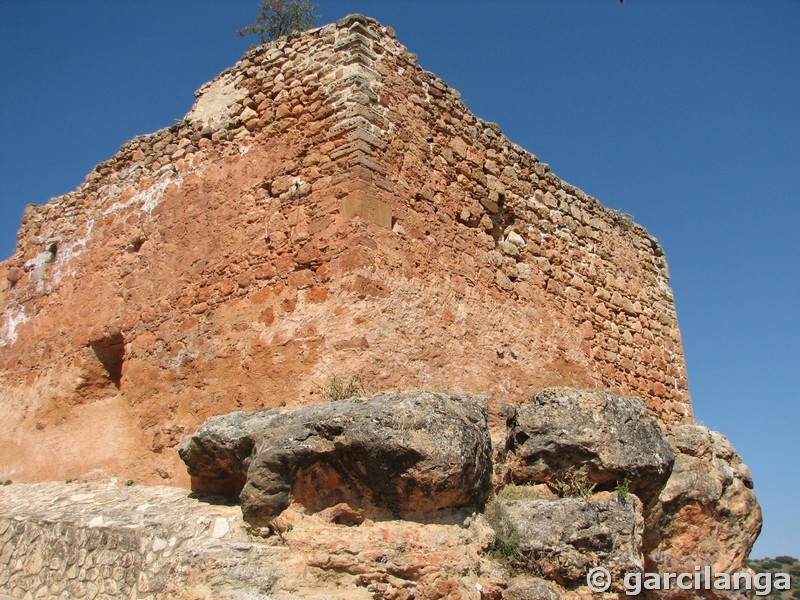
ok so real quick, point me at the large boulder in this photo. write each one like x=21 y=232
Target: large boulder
x=707 y=514
x=407 y=454
x=606 y=438
x=218 y=455
x=562 y=539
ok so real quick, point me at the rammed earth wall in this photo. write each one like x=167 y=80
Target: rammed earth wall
x=328 y=207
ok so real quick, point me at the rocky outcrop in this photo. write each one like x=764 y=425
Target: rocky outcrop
x=381 y=498
x=409 y=454
x=605 y=438
x=412 y=455
x=562 y=539
x=528 y=588
x=707 y=514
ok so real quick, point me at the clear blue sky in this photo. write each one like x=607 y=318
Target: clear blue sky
x=683 y=113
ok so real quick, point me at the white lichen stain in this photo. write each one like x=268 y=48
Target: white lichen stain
x=13 y=317
x=152 y=196
x=118 y=206
x=9 y=471
x=38 y=269
x=183 y=357
x=69 y=251
x=149 y=199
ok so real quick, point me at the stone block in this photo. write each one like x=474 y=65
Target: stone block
x=367 y=207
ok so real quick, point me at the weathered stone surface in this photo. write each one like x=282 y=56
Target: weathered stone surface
x=372 y=210
x=208 y=268
x=530 y=588
x=396 y=559
x=606 y=437
x=562 y=539
x=707 y=514
x=219 y=453
x=406 y=454
x=171 y=546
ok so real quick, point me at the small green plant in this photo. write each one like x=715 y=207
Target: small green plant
x=68 y=481
x=129 y=483
x=7 y=482
x=623 y=489
x=339 y=388
x=281 y=17
x=281 y=530
x=572 y=483
x=507 y=540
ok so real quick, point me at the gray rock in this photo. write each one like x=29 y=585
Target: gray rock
x=606 y=437
x=408 y=455
x=503 y=282
x=562 y=539
x=508 y=248
x=530 y=588
x=218 y=454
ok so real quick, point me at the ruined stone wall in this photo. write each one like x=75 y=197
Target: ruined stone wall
x=497 y=216
x=326 y=208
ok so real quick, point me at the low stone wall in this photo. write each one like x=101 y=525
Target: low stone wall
x=61 y=540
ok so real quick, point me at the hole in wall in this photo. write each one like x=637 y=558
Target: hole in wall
x=218 y=489
x=110 y=351
x=501 y=221
x=136 y=244
x=52 y=248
